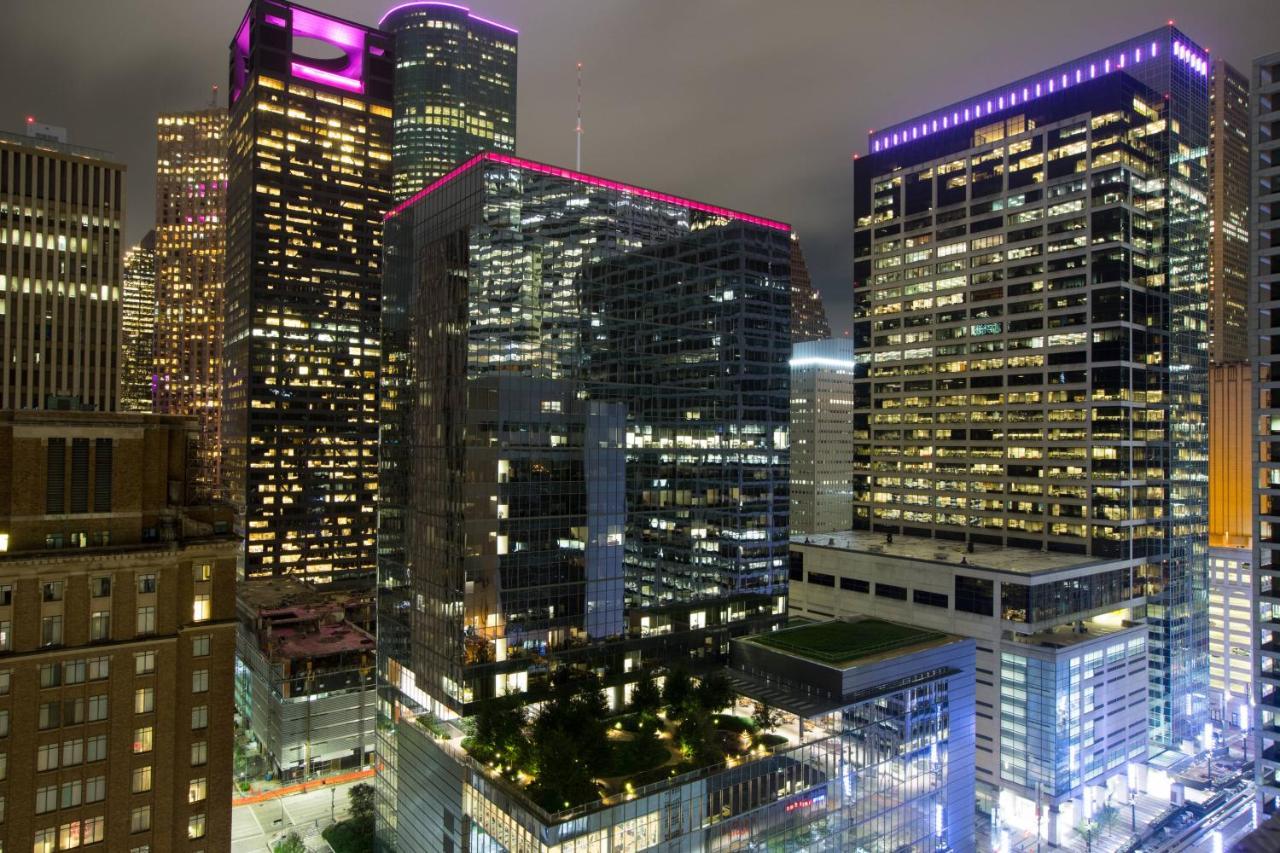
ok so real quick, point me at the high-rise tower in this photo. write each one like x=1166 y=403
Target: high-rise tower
x=455 y=90
x=138 y=325
x=808 y=315
x=1030 y=307
x=1228 y=214
x=191 y=232
x=309 y=168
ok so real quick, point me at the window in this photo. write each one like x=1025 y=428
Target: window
x=50 y=715
x=95 y=830
x=200 y=610
x=4 y=723
x=47 y=757
x=975 y=595
x=46 y=799
x=102 y=475
x=855 y=585
x=4 y=766
x=100 y=625
x=141 y=779
x=146 y=620
x=95 y=789
x=199 y=753
x=888 y=590
x=932 y=599
x=4 y=682
x=6 y=595
x=70 y=794
x=197 y=790
x=6 y=636
x=195 y=826
x=142 y=739
x=99 y=668
x=100 y=587
x=79 y=475
x=45 y=838
x=146 y=584
x=96 y=748
x=50 y=675
x=200 y=646
x=51 y=591
x=200 y=717
x=144 y=663
x=51 y=631
x=97 y=708
x=821 y=579
x=73 y=671
x=200 y=681
x=144 y=700
x=72 y=712
x=69 y=835
x=56 y=477
x=201 y=572
x=73 y=751
x=140 y=819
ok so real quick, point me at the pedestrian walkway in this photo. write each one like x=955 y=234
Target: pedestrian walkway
x=301 y=787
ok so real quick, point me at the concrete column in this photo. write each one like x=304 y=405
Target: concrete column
x=1053 y=835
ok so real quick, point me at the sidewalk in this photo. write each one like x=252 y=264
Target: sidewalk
x=301 y=787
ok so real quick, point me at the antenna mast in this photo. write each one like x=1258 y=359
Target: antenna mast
x=578 y=161
x=213 y=96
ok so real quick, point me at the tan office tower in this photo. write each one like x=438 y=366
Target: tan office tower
x=822 y=445
x=138 y=298
x=1228 y=214
x=117 y=638
x=62 y=215
x=191 y=204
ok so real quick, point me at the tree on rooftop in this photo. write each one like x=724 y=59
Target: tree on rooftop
x=645 y=697
x=714 y=693
x=766 y=717
x=678 y=693
x=499 y=728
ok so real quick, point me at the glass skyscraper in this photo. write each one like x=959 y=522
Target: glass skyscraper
x=138 y=325
x=455 y=90
x=1030 y=319
x=584 y=448
x=309 y=181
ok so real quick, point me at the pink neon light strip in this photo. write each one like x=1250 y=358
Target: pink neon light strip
x=317 y=75
x=591 y=180
x=470 y=14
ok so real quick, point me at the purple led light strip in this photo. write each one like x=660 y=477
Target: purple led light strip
x=470 y=14
x=592 y=180
x=1097 y=65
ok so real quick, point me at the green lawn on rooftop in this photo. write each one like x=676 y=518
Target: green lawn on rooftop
x=836 y=642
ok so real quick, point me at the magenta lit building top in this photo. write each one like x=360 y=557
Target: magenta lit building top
x=590 y=180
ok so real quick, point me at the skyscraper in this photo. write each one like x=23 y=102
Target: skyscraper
x=1030 y=306
x=455 y=90
x=808 y=316
x=1228 y=214
x=191 y=233
x=62 y=207
x=584 y=450
x=138 y=325
x=822 y=445
x=309 y=181
x=1265 y=144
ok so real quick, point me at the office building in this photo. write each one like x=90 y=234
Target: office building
x=455 y=90
x=62 y=221
x=1228 y=214
x=1061 y=692
x=1034 y=360
x=822 y=445
x=808 y=315
x=1230 y=541
x=1265 y=243
x=191 y=233
x=117 y=637
x=309 y=171
x=138 y=324
x=305 y=682
x=584 y=450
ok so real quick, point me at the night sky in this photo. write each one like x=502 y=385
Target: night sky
x=748 y=104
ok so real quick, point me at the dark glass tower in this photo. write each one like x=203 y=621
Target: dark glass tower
x=455 y=90
x=584 y=449
x=309 y=181
x=1030 y=318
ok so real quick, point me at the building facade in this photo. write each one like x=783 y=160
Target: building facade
x=808 y=315
x=1228 y=214
x=1030 y=307
x=62 y=217
x=1061 y=690
x=585 y=411
x=305 y=674
x=191 y=233
x=117 y=637
x=1265 y=236
x=822 y=447
x=309 y=174
x=455 y=90
x=138 y=325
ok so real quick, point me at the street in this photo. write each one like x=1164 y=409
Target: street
x=254 y=827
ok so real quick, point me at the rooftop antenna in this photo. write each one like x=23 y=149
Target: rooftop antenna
x=213 y=96
x=578 y=161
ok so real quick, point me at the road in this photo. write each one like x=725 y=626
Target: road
x=256 y=826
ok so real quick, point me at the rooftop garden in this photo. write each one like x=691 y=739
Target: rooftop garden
x=574 y=750
x=843 y=642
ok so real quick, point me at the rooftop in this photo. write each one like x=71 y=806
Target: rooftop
x=591 y=180
x=325 y=639
x=1022 y=561
x=424 y=5
x=842 y=644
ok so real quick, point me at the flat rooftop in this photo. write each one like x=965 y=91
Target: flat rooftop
x=325 y=640
x=1022 y=561
x=842 y=644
